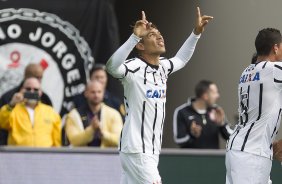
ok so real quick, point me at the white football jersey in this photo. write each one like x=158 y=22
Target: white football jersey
x=145 y=94
x=260 y=105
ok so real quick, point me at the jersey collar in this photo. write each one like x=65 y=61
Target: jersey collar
x=149 y=64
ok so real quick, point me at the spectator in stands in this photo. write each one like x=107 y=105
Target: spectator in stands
x=31 y=70
x=28 y=121
x=197 y=124
x=99 y=73
x=94 y=123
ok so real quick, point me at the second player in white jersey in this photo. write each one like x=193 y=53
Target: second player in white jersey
x=260 y=99
x=251 y=147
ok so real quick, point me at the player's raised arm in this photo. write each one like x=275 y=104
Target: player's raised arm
x=115 y=63
x=186 y=51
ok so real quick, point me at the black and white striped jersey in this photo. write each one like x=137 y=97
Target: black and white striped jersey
x=260 y=105
x=145 y=94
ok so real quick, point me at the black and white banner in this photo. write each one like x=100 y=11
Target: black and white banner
x=39 y=35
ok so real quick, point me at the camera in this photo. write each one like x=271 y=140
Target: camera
x=31 y=95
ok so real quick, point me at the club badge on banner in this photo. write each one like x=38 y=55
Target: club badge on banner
x=29 y=36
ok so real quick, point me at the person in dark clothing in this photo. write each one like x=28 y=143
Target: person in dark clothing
x=31 y=70
x=198 y=123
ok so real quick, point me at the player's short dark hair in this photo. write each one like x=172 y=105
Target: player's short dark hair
x=97 y=67
x=254 y=58
x=266 y=39
x=152 y=26
x=135 y=50
x=202 y=87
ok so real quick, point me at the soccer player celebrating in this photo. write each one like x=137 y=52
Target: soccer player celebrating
x=144 y=79
x=250 y=148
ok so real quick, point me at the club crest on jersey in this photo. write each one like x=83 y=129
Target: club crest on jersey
x=156 y=93
x=250 y=77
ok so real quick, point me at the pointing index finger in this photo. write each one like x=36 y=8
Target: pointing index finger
x=143 y=15
x=198 y=12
